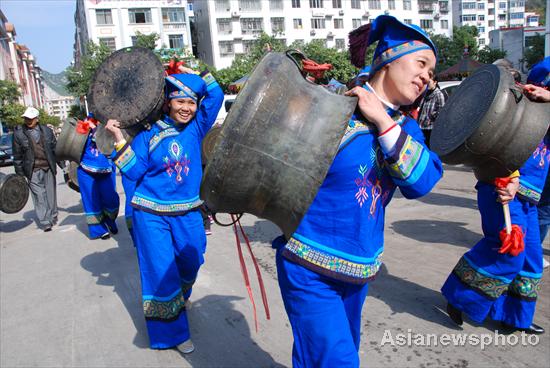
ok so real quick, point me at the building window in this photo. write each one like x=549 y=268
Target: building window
x=103 y=16
x=481 y=5
x=134 y=40
x=481 y=18
x=337 y=4
x=275 y=4
x=248 y=45
x=444 y=24
x=340 y=43
x=407 y=5
x=502 y=17
x=251 y=25
x=297 y=23
x=221 y=5
x=109 y=42
x=356 y=23
x=481 y=41
x=502 y=5
x=469 y=18
x=175 y=41
x=315 y=3
x=338 y=23
x=295 y=3
x=355 y=4
x=250 y=5
x=139 y=16
x=391 y=4
x=468 y=6
x=517 y=4
x=374 y=4
x=408 y=21
x=277 y=25
x=173 y=15
x=491 y=11
x=426 y=23
x=318 y=23
x=516 y=15
x=226 y=48
x=480 y=30
x=491 y=23
x=224 y=25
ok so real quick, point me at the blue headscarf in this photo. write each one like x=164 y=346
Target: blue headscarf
x=395 y=39
x=540 y=73
x=185 y=86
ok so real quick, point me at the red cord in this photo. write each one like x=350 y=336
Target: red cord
x=316 y=70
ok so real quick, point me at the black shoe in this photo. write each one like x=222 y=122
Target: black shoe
x=105 y=236
x=47 y=228
x=534 y=329
x=455 y=314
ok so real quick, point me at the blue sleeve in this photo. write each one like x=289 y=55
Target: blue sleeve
x=209 y=106
x=412 y=166
x=133 y=159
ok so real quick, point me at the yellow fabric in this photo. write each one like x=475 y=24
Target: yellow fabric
x=119 y=145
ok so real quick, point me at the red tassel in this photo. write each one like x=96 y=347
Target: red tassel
x=173 y=67
x=513 y=243
x=502 y=182
x=358 y=43
x=83 y=127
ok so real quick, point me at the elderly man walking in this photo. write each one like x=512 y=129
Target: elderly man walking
x=34 y=158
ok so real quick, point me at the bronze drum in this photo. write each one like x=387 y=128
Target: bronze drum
x=70 y=144
x=276 y=144
x=489 y=125
x=14 y=193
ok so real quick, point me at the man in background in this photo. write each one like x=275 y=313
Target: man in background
x=431 y=104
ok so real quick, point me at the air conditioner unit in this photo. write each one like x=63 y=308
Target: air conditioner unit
x=366 y=15
x=312 y=32
x=330 y=34
x=436 y=15
x=235 y=14
x=341 y=12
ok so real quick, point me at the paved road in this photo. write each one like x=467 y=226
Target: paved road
x=69 y=301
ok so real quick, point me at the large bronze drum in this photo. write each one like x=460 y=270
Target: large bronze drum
x=14 y=193
x=70 y=144
x=276 y=144
x=128 y=86
x=489 y=125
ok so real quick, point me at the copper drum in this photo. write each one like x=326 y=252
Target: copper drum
x=73 y=177
x=14 y=193
x=489 y=125
x=70 y=144
x=276 y=144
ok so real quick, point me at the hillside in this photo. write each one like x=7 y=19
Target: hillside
x=56 y=82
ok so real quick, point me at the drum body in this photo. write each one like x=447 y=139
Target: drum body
x=489 y=125
x=70 y=144
x=14 y=193
x=276 y=145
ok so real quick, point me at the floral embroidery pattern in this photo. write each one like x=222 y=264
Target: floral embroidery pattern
x=487 y=286
x=362 y=182
x=176 y=164
x=542 y=151
x=525 y=288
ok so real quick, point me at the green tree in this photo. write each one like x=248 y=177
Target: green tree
x=11 y=114
x=488 y=55
x=9 y=92
x=464 y=37
x=148 y=41
x=79 y=79
x=534 y=51
x=47 y=119
x=445 y=57
x=77 y=112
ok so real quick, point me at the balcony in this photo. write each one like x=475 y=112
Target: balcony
x=425 y=7
x=173 y=26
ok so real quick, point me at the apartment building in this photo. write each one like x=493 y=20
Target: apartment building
x=116 y=23
x=488 y=15
x=514 y=41
x=226 y=28
x=17 y=64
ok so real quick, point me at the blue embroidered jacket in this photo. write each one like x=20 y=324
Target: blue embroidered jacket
x=534 y=171
x=342 y=234
x=165 y=161
x=93 y=161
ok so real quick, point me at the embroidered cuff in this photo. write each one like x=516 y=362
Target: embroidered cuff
x=125 y=158
x=408 y=160
x=388 y=139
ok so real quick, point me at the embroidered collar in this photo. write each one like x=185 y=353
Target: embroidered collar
x=167 y=122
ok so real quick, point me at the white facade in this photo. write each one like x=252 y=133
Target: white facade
x=514 y=41
x=115 y=23
x=488 y=15
x=225 y=28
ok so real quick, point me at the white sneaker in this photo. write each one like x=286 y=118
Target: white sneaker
x=186 y=347
x=545 y=263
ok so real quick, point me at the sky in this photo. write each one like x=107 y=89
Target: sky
x=46 y=27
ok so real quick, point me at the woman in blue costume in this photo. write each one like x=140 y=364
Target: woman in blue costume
x=325 y=267
x=97 y=181
x=486 y=283
x=165 y=163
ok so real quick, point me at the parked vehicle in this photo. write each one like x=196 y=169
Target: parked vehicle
x=6 y=153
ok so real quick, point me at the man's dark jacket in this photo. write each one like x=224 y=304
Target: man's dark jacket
x=23 y=150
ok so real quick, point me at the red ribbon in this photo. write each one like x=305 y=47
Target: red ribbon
x=83 y=127
x=173 y=67
x=316 y=70
x=512 y=243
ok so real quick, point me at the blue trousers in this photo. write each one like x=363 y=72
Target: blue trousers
x=100 y=201
x=325 y=315
x=170 y=252
x=485 y=283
